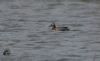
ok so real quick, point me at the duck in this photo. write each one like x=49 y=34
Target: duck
x=6 y=52
x=56 y=28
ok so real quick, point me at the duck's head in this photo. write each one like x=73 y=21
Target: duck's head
x=53 y=25
x=6 y=52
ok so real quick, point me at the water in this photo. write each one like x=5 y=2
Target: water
x=24 y=30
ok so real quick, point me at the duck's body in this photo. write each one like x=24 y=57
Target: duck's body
x=55 y=28
x=62 y=28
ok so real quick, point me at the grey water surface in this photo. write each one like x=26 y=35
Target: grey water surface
x=24 y=30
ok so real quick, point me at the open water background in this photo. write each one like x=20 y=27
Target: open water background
x=24 y=30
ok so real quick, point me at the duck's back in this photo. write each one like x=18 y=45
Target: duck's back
x=63 y=28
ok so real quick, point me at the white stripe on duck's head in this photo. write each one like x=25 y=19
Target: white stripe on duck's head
x=55 y=28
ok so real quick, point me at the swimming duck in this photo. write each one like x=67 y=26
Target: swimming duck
x=6 y=52
x=55 y=28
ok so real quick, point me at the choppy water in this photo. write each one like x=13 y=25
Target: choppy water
x=24 y=29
